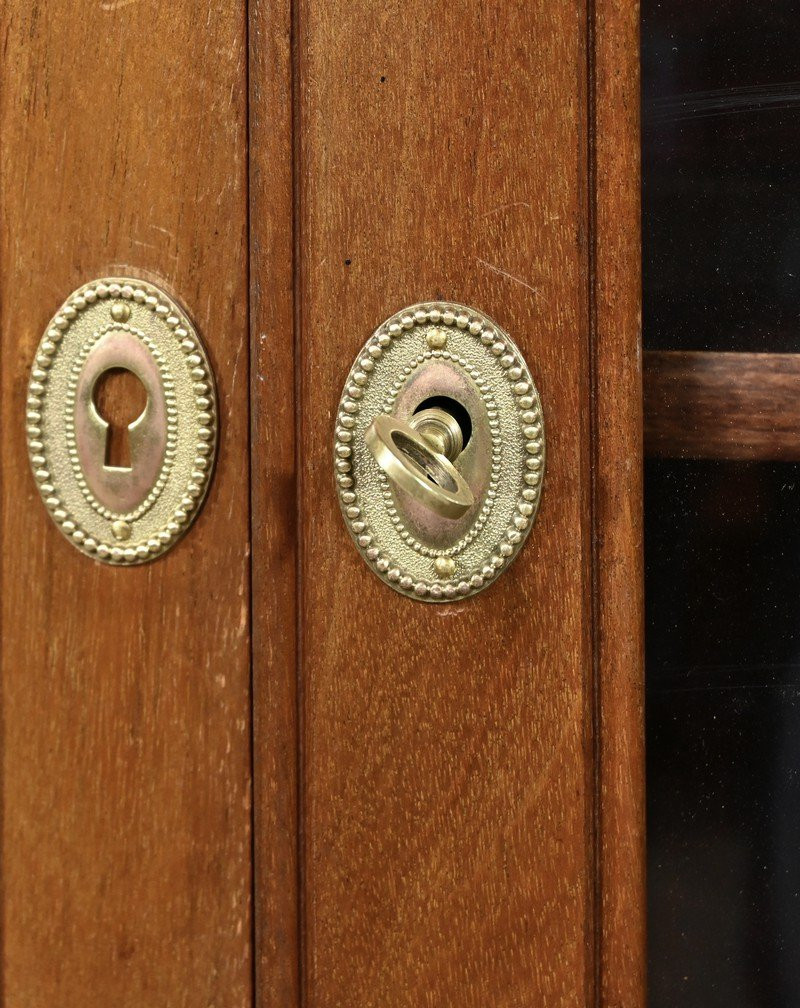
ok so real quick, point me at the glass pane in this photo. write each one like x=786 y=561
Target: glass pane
x=721 y=175
x=722 y=548
x=721 y=271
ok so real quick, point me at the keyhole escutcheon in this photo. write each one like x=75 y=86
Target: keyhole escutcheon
x=120 y=399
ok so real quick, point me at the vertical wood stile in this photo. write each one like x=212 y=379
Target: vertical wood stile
x=617 y=462
x=447 y=786
x=126 y=848
x=274 y=496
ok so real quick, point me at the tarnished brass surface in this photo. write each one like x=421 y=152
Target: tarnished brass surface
x=122 y=514
x=441 y=430
x=412 y=462
x=411 y=534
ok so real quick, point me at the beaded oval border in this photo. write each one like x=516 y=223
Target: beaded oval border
x=165 y=308
x=498 y=344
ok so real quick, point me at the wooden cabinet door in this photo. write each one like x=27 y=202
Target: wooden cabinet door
x=248 y=772
x=126 y=693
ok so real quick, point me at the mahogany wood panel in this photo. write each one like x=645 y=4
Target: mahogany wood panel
x=722 y=405
x=452 y=848
x=125 y=692
x=274 y=505
x=618 y=532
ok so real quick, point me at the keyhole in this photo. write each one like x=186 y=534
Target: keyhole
x=120 y=398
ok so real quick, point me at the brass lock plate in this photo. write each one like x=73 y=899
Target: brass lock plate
x=432 y=527
x=130 y=512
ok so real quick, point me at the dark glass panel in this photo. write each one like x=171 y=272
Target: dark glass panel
x=721 y=175
x=722 y=547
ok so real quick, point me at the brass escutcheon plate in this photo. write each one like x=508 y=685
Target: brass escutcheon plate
x=134 y=513
x=423 y=356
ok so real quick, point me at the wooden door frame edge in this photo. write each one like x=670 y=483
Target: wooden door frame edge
x=617 y=537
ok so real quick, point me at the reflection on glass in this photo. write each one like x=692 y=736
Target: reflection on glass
x=721 y=175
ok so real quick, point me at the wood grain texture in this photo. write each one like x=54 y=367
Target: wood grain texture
x=449 y=826
x=125 y=692
x=274 y=506
x=618 y=533
x=722 y=405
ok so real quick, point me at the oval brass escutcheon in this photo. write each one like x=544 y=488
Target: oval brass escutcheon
x=130 y=512
x=439 y=451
